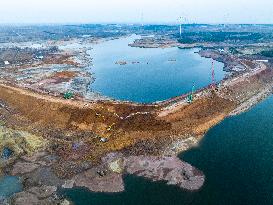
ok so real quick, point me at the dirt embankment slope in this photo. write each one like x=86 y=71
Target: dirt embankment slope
x=131 y=128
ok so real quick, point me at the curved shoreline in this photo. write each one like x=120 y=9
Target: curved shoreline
x=161 y=109
x=81 y=134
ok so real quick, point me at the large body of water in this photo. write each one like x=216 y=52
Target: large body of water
x=236 y=157
x=159 y=75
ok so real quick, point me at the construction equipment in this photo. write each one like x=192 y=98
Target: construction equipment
x=68 y=95
x=110 y=127
x=101 y=173
x=190 y=96
x=98 y=115
x=103 y=139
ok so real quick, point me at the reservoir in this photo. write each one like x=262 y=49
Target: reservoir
x=236 y=156
x=150 y=74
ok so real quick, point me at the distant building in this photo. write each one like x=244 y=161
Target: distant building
x=264 y=61
x=6 y=63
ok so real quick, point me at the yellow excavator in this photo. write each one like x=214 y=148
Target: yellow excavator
x=110 y=127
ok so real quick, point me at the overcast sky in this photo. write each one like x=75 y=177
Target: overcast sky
x=129 y=11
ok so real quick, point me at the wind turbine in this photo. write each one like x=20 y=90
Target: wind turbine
x=180 y=25
x=142 y=19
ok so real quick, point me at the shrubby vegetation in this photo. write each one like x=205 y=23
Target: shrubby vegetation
x=234 y=50
x=268 y=53
x=199 y=37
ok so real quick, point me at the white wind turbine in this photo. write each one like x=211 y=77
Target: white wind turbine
x=180 y=25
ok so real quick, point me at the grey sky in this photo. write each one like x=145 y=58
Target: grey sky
x=129 y=11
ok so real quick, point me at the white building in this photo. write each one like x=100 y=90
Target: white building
x=6 y=63
x=264 y=61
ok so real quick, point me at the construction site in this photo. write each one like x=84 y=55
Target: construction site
x=51 y=137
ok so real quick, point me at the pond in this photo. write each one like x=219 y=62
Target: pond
x=9 y=185
x=148 y=74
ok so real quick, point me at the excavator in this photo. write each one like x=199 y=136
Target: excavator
x=68 y=95
x=110 y=127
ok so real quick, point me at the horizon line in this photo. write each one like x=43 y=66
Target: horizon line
x=126 y=23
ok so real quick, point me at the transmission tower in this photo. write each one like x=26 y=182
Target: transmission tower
x=212 y=74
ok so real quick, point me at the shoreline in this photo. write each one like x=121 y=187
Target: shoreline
x=74 y=131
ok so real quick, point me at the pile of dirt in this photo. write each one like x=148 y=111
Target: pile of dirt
x=204 y=113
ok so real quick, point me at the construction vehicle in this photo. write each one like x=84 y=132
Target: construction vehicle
x=103 y=139
x=190 y=96
x=68 y=95
x=110 y=127
x=102 y=173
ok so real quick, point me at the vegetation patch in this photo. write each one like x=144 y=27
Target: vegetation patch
x=14 y=143
x=268 y=53
x=216 y=37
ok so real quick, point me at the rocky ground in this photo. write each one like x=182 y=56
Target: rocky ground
x=53 y=67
